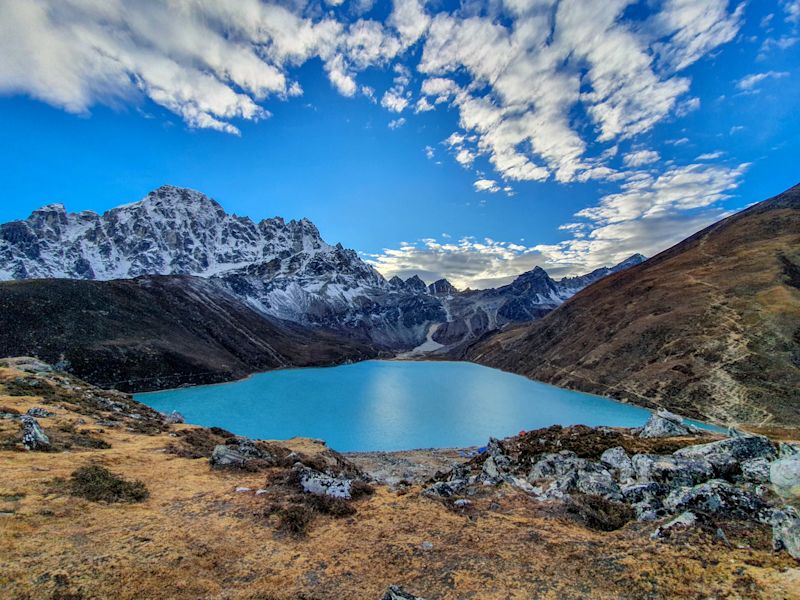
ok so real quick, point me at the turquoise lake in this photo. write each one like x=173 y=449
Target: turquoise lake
x=390 y=405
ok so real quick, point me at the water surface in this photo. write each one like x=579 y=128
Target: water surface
x=391 y=405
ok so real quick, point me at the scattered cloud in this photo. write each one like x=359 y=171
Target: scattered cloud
x=397 y=123
x=430 y=152
x=710 y=156
x=639 y=158
x=486 y=185
x=749 y=82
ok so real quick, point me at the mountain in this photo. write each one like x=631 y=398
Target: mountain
x=529 y=297
x=709 y=328
x=156 y=332
x=283 y=270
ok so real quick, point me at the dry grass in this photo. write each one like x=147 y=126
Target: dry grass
x=195 y=537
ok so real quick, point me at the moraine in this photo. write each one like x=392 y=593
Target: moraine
x=390 y=405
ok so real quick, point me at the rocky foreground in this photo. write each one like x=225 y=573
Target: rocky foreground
x=102 y=496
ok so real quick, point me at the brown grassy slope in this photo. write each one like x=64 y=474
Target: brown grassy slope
x=156 y=332
x=196 y=538
x=709 y=328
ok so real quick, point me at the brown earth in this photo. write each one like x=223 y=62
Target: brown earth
x=195 y=537
x=709 y=328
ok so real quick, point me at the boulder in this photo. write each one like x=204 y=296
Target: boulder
x=671 y=471
x=664 y=424
x=322 y=484
x=397 y=593
x=598 y=482
x=786 y=449
x=726 y=455
x=617 y=459
x=446 y=489
x=241 y=454
x=28 y=364
x=38 y=411
x=755 y=470
x=716 y=497
x=684 y=520
x=784 y=474
x=786 y=530
x=496 y=465
x=33 y=437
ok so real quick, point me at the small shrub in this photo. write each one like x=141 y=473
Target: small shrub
x=98 y=484
x=361 y=489
x=295 y=519
x=598 y=513
x=328 y=505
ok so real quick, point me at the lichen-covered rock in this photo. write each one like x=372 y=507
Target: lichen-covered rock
x=598 y=482
x=727 y=455
x=786 y=530
x=555 y=465
x=322 y=484
x=664 y=424
x=784 y=474
x=716 y=497
x=446 y=489
x=755 y=470
x=243 y=453
x=395 y=592
x=38 y=411
x=671 y=471
x=496 y=465
x=33 y=437
x=617 y=459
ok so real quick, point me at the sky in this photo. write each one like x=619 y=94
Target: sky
x=470 y=140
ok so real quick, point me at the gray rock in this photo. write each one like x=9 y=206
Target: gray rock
x=555 y=465
x=784 y=474
x=617 y=459
x=716 y=497
x=28 y=364
x=599 y=483
x=671 y=471
x=664 y=424
x=240 y=455
x=755 y=470
x=38 y=411
x=726 y=455
x=786 y=449
x=174 y=417
x=786 y=530
x=33 y=437
x=395 y=592
x=322 y=484
x=642 y=492
x=684 y=520
x=446 y=489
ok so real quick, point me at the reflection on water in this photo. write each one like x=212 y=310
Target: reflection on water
x=390 y=405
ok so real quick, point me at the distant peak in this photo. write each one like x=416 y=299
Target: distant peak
x=442 y=287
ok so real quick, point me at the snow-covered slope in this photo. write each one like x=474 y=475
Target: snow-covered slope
x=282 y=269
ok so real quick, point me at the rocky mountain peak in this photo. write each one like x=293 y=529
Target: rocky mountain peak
x=415 y=283
x=442 y=287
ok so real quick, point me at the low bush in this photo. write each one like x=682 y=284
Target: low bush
x=98 y=484
x=295 y=519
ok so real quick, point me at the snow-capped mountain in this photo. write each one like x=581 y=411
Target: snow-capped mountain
x=282 y=269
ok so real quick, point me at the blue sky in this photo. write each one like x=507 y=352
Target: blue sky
x=470 y=140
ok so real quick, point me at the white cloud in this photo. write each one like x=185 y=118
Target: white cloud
x=429 y=152
x=486 y=185
x=749 y=82
x=792 y=9
x=710 y=156
x=640 y=157
x=397 y=123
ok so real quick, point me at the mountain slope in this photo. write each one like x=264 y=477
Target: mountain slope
x=156 y=332
x=709 y=328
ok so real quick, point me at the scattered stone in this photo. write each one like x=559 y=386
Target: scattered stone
x=33 y=437
x=786 y=530
x=322 y=484
x=462 y=503
x=427 y=546
x=174 y=417
x=716 y=497
x=261 y=492
x=38 y=411
x=446 y=489
x=787 y=449
x=685 y=520
x=241 y=454
x=395 y=592
x=664 y=424
x=242 y=489
x=784 y=474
